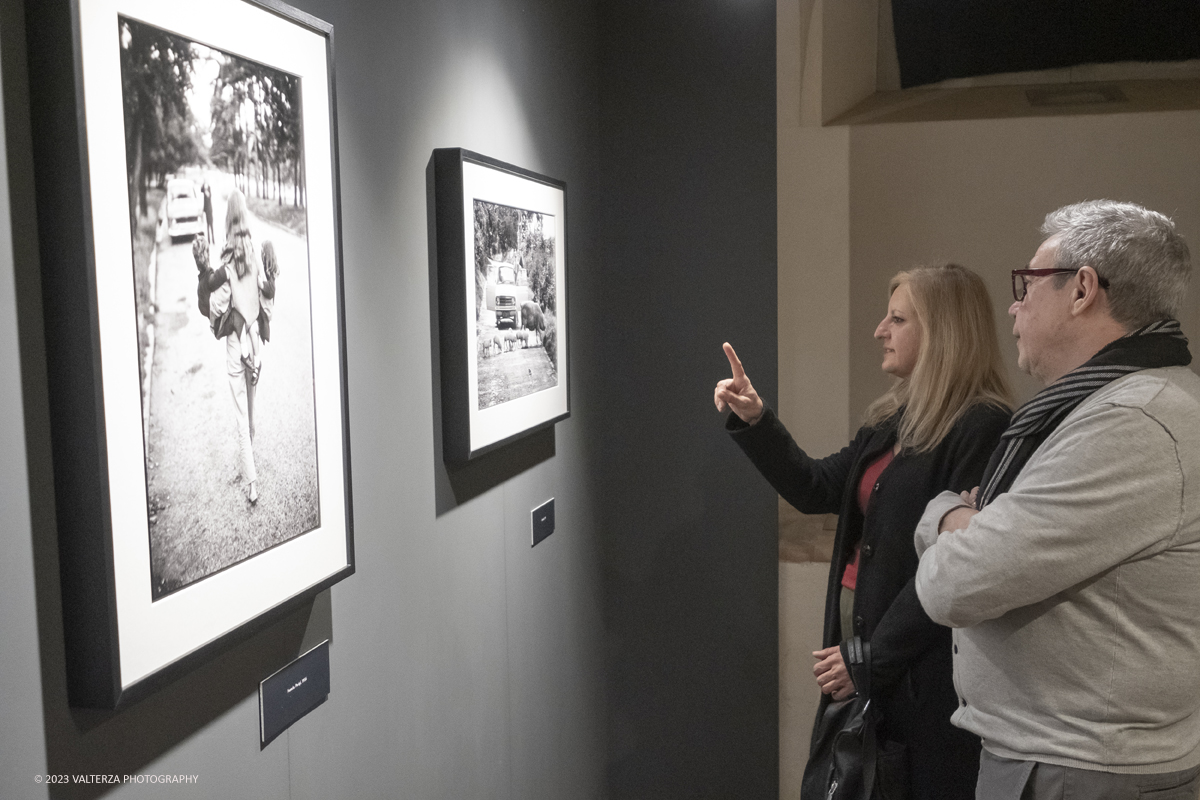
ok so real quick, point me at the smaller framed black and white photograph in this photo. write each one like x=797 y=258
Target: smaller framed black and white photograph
x=502 y=301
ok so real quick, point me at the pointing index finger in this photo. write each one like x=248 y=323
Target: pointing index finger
x=734 y=362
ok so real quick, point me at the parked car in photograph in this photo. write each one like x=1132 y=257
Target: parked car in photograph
x=185 y=208
x=507 y=289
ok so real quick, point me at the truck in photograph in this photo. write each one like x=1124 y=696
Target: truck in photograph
x=507 y=289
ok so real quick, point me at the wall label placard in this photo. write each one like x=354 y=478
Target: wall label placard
x=543 y=521
x=292 y=692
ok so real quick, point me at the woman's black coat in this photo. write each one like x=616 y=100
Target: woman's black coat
x=911 y=673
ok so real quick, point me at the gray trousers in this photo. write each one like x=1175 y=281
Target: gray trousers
x=1006 y=779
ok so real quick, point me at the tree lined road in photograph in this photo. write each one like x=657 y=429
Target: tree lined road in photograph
x=514 y=259
x=194 y=113
x=200 y=518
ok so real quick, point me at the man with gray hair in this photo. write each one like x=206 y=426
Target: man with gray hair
x=1072 y=574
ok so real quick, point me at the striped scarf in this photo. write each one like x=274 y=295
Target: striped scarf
x=1159 y=344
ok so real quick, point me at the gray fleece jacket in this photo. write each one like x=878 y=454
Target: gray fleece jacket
x=1075 y=596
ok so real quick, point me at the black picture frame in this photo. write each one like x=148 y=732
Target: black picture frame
x=501 y=244
x=122 y=640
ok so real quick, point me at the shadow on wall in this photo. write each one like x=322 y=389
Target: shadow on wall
x=455 y=484
x=686 y=624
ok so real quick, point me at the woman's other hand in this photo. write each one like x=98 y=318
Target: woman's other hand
x=959 y=517
x=970 y=498
x=737 y=392
x=832 y=676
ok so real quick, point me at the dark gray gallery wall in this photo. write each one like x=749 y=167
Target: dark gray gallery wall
x=474 y=658
x=633 y=653
x=688 y=248
x=22 y=751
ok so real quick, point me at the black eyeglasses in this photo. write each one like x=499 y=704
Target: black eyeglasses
x=1020 y=284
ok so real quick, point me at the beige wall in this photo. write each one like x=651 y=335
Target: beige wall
x=814 y=245
x=849 y=32
x=976 y=191
x=814 y=345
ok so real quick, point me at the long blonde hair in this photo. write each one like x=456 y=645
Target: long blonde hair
x=958 y=361
x=238 y=248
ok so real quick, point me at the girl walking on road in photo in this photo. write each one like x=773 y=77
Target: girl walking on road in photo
x=242 y=267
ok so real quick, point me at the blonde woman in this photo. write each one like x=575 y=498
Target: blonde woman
x=933 y=430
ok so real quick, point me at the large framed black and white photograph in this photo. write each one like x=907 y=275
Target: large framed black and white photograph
x=193 y=304
x=502 y=310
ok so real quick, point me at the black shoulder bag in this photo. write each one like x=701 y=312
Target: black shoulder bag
x=846 y=760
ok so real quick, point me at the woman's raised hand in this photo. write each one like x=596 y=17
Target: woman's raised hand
x=737 y=392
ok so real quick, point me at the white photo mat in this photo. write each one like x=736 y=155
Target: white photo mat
x=492 y=185
x=152 y=635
